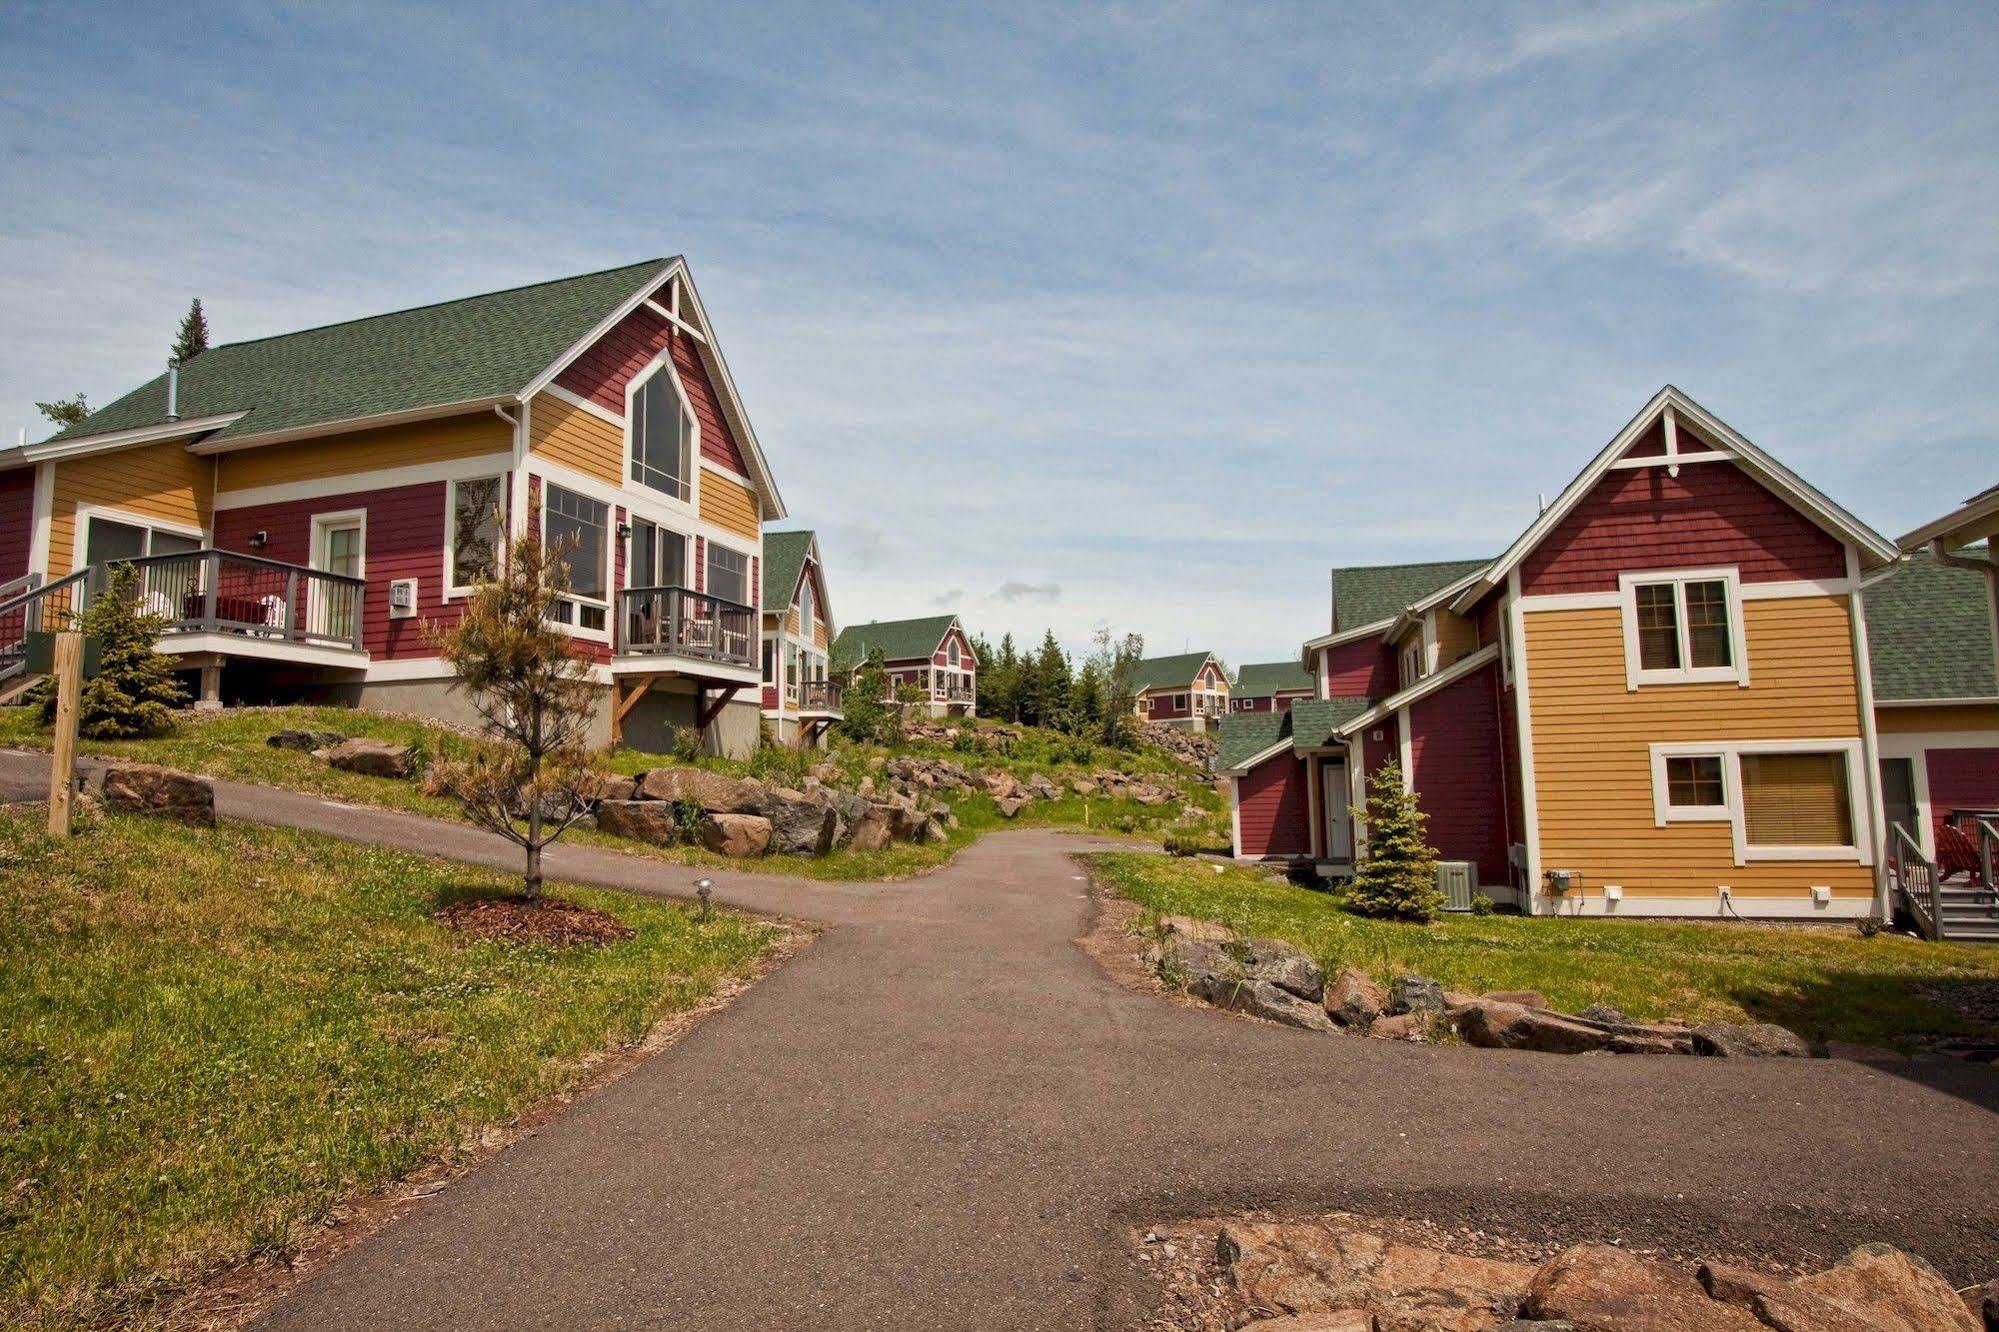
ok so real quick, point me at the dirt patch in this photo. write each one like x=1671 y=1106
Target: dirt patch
x=550 y=921
x=237 y=1295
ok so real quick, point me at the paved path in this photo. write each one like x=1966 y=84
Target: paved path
x=943 y=1114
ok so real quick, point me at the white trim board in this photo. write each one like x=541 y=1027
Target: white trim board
x=354 y=483
x=85 y=445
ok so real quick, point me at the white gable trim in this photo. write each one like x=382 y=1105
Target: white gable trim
x=85 y=445
x=1765 y=468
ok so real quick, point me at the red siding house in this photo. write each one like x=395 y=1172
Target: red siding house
x=932 y=655
x=1190 y=691
x=1270 y=686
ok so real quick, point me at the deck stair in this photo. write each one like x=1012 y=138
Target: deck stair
x=1953 y=896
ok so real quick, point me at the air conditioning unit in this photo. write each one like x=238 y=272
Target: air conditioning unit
x=402 y=598
x=1457 y=878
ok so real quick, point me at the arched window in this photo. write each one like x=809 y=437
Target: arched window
x=662 y=426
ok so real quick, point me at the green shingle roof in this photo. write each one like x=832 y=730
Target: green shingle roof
x=1383 y=591
x=1310 y=722
x=1929 y=632
x=897 y=640
x=1167 y=672
x=784 y=557
x=458 y=351
x=1265 y=678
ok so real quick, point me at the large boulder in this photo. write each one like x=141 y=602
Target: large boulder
x=870 y=832
x=1416 y=994
x=1780 y=1304
x=1260 y=999
x=1498 y=1025
x=608 y=786
x=1749 y=1039
x=799 y=825
x=303 y=742
x=713 y=791
x=1342 y=1320
x=652 y=821
x=1600 y=1286
x=1329 y=1272
x=367 y=756
x=1001 y=785
x=740 y=836
x=1285 y=966
x=1353 y=999
x=1887 y=1284
x=142 y=788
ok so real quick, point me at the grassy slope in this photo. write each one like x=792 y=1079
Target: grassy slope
x=209 y=1038
x=1831 y=984
x=230 y=744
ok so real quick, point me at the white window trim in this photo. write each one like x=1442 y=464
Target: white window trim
x=80 y=529
x=342 y=518
x=1730 y=752
x=454 y=590
x=610 y=604
x=1505 y=644
x=632 y=520
x=1635 y=676
x=750 y=570
x=663 y=364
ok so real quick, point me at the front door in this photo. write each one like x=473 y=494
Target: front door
x=1333 y=796
x=335 y=606
x=1898 y=795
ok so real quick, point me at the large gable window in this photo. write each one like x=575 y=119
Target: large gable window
x=575 y=529
x=663 y=435
x=1683 y=628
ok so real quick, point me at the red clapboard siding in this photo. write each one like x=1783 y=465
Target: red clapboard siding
x=1963 y=779
x=1162 y=705
x=1273 y=809
x=17 y=520
x=1712 y=514
x=1362 y=668
x=606 y=369
x=770 y=697
x=1454 y=754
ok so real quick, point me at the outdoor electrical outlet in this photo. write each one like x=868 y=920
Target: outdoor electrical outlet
x=1725 y=893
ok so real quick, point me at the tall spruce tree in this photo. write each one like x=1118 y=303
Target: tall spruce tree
x=192 y=340
x=1397 y=877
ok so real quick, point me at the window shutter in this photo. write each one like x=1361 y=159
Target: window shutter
x=1796 y=800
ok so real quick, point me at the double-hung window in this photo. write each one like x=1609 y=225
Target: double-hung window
x=574 y=527
x=1683 y=628
x=663 y=435
x=476 y=530
x=1785 y=800
x=728 y=574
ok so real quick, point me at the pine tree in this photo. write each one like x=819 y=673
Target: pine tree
x=192 y=340
x=1397 y=878
x=65 y=411
x=865 y=707
x=1115 y=661
x=537 y=701
x=135 y=690
x=1050 y=672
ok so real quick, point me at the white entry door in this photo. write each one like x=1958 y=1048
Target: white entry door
x=1333 y=795
x=336 y=607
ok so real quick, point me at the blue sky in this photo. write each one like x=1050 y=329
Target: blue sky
x=1130 y=315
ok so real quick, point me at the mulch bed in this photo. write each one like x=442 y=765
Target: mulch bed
x=550 y=921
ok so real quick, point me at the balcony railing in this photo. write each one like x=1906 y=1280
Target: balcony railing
x=819 y=696
x=203 y=591
x=955 y=692
x=684 y=623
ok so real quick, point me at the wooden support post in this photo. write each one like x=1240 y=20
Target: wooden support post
x=62 y=768
x=622 y=704
x=714 y=710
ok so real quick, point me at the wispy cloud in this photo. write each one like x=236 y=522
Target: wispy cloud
x=948 y=600
x=1018 y=591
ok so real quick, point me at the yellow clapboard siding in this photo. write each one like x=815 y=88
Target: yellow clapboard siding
x=1940 y=717
x=729 y=506
x=1456 y=636
x=409 y=445
x=158 y=481
x=565 y=433
x=819 y=637
x=791 y=619
x=1592 y=738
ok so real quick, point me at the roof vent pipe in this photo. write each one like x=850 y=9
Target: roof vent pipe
x=1540 y=501
x=173 y=389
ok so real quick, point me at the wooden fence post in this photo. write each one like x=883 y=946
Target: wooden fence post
x=68 y=665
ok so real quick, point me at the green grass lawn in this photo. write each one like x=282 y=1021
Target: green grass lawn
x=231 y=744
x=1829 y=984
x=209 y=1038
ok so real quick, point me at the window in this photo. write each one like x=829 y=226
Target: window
x=1682 y=629
x=1179 y=702
x=1796 y=800
x=728 y=574
x=770 y=661
x=662 y=429
x=659 y=556
x=475 y=530
x=952 y=653
x=574 y=528
x=109 y=541
x=1694 y=782
x=805 y=606
x=1412 y=663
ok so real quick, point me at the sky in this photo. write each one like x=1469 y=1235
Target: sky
x=1071 y=317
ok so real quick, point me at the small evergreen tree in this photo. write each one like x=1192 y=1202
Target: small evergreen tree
x=192 y=340
x=1397 y=878
x=135 y=689
x=536 y=698
x=65 y=412
x=865 y=706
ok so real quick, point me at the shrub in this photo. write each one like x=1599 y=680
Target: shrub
x=1481 y=905
x=865 y=709
x=780 y=765
x=1869 y=926
x=134 y=692
x=686 y=746
x=1397 y=879
x=1181 y=844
